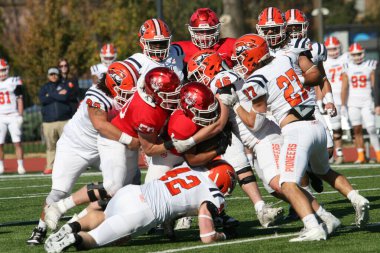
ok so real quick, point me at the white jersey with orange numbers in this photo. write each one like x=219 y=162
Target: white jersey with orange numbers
x=174 y=61
x=98 y=70
x=180 y=192
x=279 y=82
x=10 y=89
x=334 y=70
x=359 y=83
x=79 y=129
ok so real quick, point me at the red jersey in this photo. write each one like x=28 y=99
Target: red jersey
x=224 y=47
x=181 y=127
x=137 y=116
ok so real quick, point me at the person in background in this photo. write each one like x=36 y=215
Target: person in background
x=64 y=68
x=11 y=110
x=55 y=98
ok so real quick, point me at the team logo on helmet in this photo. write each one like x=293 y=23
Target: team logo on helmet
x=190 y=99
x=117 y=76
x=142 y=30
x=241 y=49
x=156 y=85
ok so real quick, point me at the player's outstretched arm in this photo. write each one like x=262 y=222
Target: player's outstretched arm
x=310 y=72
x=207 y=231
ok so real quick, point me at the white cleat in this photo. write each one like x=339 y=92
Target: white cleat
x=332 y=222
x=269 y=215
x=312 y=234
x=59 y=246
x=1 y=170
x=64 y=230
x=183 y=223
x=52 y=215
x=21 y=170
x=361 y=206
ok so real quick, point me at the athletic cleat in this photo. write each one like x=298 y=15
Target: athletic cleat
x=315 y=182
x=64 y=230
x=312 y=234
x=1 y=170
x=292 y=215
x=59 y=246
x=37 y=237
x=183 y=223
x=169 y=229
x=361 y=206
x=339 y=160
x=52 y=215
x=332 y=222
x=269 y=215
x=21 y=170
x=360 y=162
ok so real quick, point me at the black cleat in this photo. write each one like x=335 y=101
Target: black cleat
x=37 y=237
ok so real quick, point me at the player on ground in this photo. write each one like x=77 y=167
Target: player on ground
x=273 y=82
x=357 y=83
x=77 y=148
x=108 y=55
x=204 y=28
x=136 y=209
x=206 y=66
x=142 y=117
x=11 y=110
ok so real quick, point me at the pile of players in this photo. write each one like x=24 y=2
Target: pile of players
x=257 y=92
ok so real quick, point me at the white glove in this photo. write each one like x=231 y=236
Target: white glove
x=320 y=107
x=343 y=111
x=331 y=109
x=183 y=145
x=229 y=99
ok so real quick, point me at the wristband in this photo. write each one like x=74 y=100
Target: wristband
x=125 y=138
x=168 y=145
x=207 y=234
x=329 y=98
x=204 y=216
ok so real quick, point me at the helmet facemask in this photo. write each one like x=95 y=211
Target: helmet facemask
x=357 y=57
x=4 y=73
x=123 y=95
x=169 y=100
x=206 y=36
x=274 y=34
x=333 y=52
x=206 y=117
x=297 y=30
x=156 y=49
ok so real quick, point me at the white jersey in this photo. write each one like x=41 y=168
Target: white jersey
x=246 y=136
x=334 y=70
x=280 y=84
x=359 y=82
x=79 y=129
x=98 y=70
x=10 y=89
x=174 y=61
x=180 y=192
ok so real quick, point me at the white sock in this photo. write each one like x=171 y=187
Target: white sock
x=339 y=151
x=42 y=224
x=20 y=163
x=310 y=221
x=83 y=213
x=321 y=211
x=69 y=203
x=1 y=164
x=250 y=159
x=374 y=139
x=259 y=206
x=352 y=194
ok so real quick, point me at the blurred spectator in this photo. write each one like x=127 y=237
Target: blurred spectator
x=55 y=98
x=64 y=68
x=11 y=110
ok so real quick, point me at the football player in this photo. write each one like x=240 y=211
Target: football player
x=273 y=83
x=206 y=66
x=204 y=28
x=108 y=55
x=142 y=117
x=334 y=70
x=77 y=148
x=11 y=110
x=358 y=80
x=154 y=40
x=136 y=209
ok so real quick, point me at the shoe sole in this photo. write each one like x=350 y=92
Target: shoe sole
x=364 y=220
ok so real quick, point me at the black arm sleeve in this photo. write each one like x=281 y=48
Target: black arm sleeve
x=18 y=91
x=212 y=209
x=377 y=88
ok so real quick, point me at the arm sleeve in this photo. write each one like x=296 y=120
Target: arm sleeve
x=18 y=91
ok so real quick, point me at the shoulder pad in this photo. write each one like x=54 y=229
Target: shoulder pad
x=301 y=44
x=96 y=98
x=261 y=80
x=319 y=52
x=177 y=49
x=136 y=60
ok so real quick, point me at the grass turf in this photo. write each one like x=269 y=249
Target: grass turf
x=21 y=199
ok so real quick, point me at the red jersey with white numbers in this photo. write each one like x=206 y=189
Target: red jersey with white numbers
x=224 y=47
x=137 y=116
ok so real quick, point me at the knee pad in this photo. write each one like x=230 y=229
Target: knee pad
x=103 y=203
x=247 y=179
x=100 y=188
x=337 y=134
x=55 y=196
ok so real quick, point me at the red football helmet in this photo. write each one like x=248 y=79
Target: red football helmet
x=4 y=69
x=162 y=86
x=272 y=26
x=296 y=23
x=204 y=28
x=199 y=103
x=333 y=47
x=249 y=51
x=203 y=66
x=155 y=39
x=223 y=175
x=121 y=79
x=357 y=53
x=108 y=54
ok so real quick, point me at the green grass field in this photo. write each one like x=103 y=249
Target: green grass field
x=21 y=199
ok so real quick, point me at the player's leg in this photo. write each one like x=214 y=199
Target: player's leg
x=336 y=125
x=299 y=138
x=15 y=130
x=3 y=133
x=355 y=117
x=369 y=124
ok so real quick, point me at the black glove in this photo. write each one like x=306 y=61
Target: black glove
x=230 y=232
x=226 y=89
